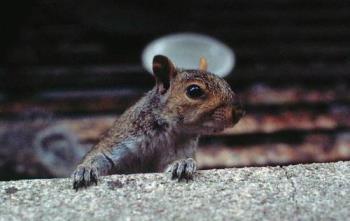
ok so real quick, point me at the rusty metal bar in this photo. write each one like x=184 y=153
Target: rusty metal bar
x=314 y=148
x=53 y=148
x=115 y=101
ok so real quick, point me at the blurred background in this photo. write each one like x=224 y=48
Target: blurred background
x=69 y=68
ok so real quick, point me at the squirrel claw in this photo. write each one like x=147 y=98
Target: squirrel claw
x=84 y=176
x=183 y=169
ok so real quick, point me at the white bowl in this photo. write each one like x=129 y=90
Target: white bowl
x=185 y=50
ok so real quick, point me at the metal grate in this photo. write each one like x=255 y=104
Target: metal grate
x=81 y=62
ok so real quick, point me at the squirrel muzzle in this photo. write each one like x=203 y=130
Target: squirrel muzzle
x=237 y=110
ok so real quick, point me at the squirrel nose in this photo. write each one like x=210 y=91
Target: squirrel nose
x=236 y=103
x=237 y=110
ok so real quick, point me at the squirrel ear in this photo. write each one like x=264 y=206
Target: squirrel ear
x=164 y=70
x=203 y=64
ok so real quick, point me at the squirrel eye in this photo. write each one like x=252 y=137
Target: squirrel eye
x=194 y=91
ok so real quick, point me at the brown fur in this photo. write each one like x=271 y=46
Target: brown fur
x=163 y=128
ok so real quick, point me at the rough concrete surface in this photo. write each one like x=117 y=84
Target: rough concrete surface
x=301 y=192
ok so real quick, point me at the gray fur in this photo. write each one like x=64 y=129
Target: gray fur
x=161 y=129
x=145 y=150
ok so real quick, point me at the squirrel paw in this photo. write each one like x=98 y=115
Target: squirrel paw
x=183 y=169
x=84 y=176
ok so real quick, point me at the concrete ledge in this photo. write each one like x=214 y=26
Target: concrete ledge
x=302 y=192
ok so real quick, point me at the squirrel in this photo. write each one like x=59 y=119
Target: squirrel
x=161 y=131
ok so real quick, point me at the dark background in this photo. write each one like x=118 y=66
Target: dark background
x=69 y=68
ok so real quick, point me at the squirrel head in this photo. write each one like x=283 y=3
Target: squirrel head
x=198 y=101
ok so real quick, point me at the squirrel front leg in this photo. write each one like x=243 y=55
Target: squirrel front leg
x=186 y=167
x=99 y=162
x=94 y=164
x=182 y=169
